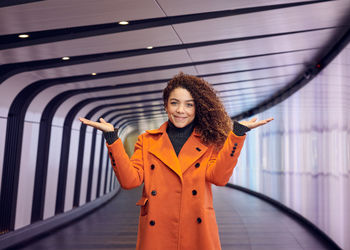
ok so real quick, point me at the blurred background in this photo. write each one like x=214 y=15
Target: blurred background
x=60 y=60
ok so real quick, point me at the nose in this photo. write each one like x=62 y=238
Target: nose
x=180 y=109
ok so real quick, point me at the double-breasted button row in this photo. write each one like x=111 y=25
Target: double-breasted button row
x=234 y=149
x=113 y=161
x=154 y=193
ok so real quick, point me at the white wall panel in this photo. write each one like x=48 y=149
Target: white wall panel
x=71 y=171
x=27 y=174
x=96 y=165
x=85 y=167
x=53 y=171
x=104 y=164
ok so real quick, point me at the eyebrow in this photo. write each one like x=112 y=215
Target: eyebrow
x=191 y=100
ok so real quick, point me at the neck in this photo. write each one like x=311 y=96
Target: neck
x=178 y=136
x=173 y=128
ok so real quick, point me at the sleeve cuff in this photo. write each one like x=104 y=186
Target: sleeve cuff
x=239 y=129
x=111 y=137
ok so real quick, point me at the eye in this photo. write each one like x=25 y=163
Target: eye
x=173 y=103
x=189 y=105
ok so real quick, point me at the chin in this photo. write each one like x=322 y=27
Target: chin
x=180 y=125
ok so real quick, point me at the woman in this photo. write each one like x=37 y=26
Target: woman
x=177 y=163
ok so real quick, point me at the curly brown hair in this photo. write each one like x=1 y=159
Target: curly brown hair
x=212 y=121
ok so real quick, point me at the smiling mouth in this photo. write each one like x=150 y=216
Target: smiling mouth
x=180 y=119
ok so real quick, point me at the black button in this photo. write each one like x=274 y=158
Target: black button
x=236 y=144
x=152 y=222
x=199 y=220
x=231 y=154
x=198 y=149
x=234 y=148
x=152 y=166
x=110 y=153
x=194 y=192
x=154 y=192
x=197 y=165
x=113 y=164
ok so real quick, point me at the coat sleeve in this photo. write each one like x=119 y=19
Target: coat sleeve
x=129 y=172
x=222 y=163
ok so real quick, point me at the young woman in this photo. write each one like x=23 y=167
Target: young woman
x=198 y=146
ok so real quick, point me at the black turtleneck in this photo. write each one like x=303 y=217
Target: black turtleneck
x=178 y=136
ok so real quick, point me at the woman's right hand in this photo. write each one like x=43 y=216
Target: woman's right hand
x=102 y=125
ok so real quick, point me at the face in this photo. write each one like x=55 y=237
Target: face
x=180 y=107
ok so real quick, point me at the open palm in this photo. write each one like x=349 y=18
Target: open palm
x=253 y=123
x=102 y=125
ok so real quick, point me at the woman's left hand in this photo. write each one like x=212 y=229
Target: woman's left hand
x=252 y=123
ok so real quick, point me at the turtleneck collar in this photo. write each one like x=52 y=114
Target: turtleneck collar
x=185 y=131
x=178 y=136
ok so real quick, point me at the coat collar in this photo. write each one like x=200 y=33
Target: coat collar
x=191 y=151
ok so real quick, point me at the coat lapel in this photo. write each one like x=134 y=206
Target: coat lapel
x=164 y=151
x=191 y=151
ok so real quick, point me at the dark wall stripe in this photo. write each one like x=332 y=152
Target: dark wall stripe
x=62 y=173
x=7 y=3
x=79 y=169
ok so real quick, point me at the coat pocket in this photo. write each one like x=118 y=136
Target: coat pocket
x=143 y=203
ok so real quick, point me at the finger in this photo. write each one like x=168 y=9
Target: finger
x=262 y=122
x=83 y=120
x=90 y=123
x=267 y=120
x=102 y=120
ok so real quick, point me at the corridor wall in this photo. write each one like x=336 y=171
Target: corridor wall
x=30 y=196
x=302 y=159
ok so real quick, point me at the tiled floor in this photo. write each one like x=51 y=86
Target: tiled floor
x=245 y=223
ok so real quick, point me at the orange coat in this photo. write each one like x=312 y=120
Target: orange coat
x=176 y=207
